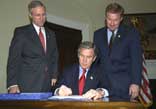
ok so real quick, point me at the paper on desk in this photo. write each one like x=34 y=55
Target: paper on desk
x=72 y=97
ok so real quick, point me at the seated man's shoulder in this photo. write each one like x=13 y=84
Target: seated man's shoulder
x=23 y=27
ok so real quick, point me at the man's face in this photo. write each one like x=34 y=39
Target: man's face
x=38 y=16
x=113 y=20
x=86 y=57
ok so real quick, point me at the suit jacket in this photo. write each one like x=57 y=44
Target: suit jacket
x=122 y=64
x=28 y=65
x=70 y=78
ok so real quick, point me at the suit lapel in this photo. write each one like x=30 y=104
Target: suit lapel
x=89 y=78
x=75 y=79
x=104 y=42
x=105 y=39
x=119 y=36
x=47 y=40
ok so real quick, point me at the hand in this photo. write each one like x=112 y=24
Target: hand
x=93 y=94
x=64 y=91
x=133 y=91
x=53 y=82
x=14 y=89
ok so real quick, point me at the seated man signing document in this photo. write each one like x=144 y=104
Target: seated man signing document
x=84 y=78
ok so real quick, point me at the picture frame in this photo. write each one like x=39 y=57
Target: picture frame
x=146 y=25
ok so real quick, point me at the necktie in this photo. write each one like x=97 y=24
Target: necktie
x=82 y=82
x=112 y=39
x=42 y=39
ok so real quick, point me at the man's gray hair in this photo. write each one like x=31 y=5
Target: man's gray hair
x=87 y=45
x=34 y=4
x=114 y=8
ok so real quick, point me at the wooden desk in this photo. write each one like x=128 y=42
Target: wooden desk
x=68 y=105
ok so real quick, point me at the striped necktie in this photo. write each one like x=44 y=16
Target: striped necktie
x=112 y=39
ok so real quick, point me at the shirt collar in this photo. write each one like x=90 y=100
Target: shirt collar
x=115 y=31
x=37 y=28
x=81 y=71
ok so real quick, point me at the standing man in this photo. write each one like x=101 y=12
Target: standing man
x=83 y=78
x=33 y=56
x=120 y=54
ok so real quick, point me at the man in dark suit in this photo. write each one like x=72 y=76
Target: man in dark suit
x=120 y=54
x=70 y=80
x=33 y=56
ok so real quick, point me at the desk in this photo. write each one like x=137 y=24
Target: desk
x=43 y=101
x=68 y=105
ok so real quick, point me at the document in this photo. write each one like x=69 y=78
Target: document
x=72 y=97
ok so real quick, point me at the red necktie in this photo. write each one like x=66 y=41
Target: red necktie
x=42 y=39
x=82 y=82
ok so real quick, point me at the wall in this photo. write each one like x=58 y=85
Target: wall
x=90 y=12
x=13 y=13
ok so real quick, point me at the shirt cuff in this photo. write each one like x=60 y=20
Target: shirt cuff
x=12 y=86
x=56 y=92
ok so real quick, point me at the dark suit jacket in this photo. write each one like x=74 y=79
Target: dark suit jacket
x=70 y=78
x=28 y=65
x=122 y=64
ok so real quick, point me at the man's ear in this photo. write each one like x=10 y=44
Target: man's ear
x=30 y=17
x=94 y=58
x=121 y=18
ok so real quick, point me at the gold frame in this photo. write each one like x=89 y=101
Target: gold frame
x=146 y=24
